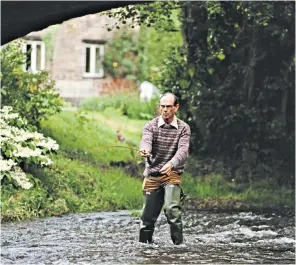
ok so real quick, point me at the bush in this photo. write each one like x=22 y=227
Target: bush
x=120 y=57
x=31 y=94
x=128 y=104
x=72 y=186
x=20 y=146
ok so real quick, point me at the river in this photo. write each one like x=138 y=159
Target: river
x=111 y=237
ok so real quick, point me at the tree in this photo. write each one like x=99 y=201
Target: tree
x=235 y=79
x=241 y=94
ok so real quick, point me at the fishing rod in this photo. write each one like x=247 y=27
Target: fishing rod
x=123 y=146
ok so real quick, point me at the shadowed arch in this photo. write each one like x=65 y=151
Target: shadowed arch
x=18 y=18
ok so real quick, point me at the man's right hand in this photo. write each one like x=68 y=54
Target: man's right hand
x=144 y=152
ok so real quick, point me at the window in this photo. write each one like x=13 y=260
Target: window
x=35 y=52
x=94 y=56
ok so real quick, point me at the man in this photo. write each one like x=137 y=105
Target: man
x=165 y=144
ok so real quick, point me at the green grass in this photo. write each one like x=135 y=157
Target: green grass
x=90 y=136
x=72 y=186
x=127 y=104
x=83 y=180
x=130 y=129
x=261 y=194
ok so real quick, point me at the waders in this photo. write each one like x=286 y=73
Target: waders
x=172 y=198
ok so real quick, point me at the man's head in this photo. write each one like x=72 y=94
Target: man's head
x=169 y=104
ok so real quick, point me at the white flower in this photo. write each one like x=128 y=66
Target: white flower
x=6 y=165
x=11 y=116
x=26 y=152
x=5 y=132
x=20 y=177
x=5 y=115
x=47 y=162
x=49 y=144
x=16 y=142
x=6 y=109
x=25 y=135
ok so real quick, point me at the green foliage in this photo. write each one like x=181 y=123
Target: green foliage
x=84 y=139
x=128 y=104
x=261 y=195
x=135 y=213
x=120 y=57
x=155 y=44
x=22 y=204
x=208 y=186
x=81 y=180
x=157 y=14
x=174 y=73
x=21 y=145
x=72 y=186
x=160 y=28
x=235 y=78
x=91 y=136
x=32 y=95
x=236 y=84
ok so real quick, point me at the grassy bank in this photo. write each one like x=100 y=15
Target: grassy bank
x=213 y=192
x=89 y=174
x=81 y=178
x=91 y=136
x=72 y=186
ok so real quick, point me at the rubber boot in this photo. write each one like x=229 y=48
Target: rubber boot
x=153 y=202
x=173 y=212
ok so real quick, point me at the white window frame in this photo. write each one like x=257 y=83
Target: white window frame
x=92 y=60
x=34 y=44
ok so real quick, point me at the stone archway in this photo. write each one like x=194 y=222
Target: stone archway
x=19 y=18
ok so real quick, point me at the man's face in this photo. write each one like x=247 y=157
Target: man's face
x=167 y=107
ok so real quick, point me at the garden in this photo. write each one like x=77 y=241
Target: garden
x=238 y=97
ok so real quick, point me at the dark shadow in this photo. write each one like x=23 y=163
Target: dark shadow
x=18 y=18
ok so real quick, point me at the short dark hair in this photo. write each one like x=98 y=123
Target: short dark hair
x=176 y=99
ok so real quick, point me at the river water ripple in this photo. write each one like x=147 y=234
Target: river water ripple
x=96 y=238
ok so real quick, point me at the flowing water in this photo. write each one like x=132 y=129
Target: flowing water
x=96 y=238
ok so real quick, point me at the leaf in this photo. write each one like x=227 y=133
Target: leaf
x=7 y=153
x=19 y=123
x=221 y=56
x=211 y=70
x=183 y=83
x=191 y=71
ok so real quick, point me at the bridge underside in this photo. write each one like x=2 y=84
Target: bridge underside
x=18 y=18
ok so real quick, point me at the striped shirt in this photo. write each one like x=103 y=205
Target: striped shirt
x=166 y=143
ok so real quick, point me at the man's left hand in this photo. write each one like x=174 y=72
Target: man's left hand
x=166 y=169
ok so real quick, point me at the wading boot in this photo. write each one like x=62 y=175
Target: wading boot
x=146 y=236
x=173 y=212
x=153 y=202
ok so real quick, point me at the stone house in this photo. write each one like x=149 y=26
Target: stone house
x=73 y=53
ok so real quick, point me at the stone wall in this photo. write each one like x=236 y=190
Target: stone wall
x=68 y=59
